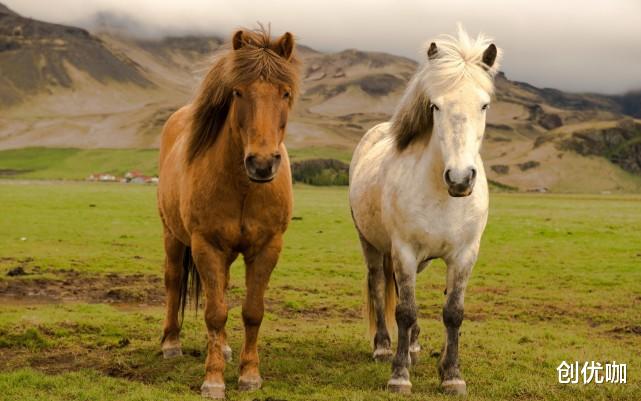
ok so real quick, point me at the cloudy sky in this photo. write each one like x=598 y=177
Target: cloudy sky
x=576 y=45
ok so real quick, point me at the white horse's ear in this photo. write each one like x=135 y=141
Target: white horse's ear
x=432 y=52
x=489 y=56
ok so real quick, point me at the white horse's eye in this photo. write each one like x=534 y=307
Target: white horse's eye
x=434 y=107
x=485 y=106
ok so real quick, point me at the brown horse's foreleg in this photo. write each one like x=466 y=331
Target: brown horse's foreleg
x=212 y=265
x=458 y=273
x=174 y=251
x=227 y=352
x=259 y=269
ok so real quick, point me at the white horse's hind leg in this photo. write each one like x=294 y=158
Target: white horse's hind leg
x=458 y=273
x=405 y=270
x=376 y=289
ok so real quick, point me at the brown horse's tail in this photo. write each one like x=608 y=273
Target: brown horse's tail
x=390 y=301
x=190 y=286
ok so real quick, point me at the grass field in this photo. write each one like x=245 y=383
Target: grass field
x=559 y=278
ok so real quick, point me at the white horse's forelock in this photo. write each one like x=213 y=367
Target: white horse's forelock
x=459 y=59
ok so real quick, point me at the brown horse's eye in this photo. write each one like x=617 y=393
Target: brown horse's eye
x=237 y=93
x=286 y=95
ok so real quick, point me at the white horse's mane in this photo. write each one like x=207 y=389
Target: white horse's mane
x=459 y=59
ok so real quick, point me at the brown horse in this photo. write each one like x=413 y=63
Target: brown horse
x=226 y=188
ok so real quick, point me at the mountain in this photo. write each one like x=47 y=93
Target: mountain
x=37 y=56
x=66 y=87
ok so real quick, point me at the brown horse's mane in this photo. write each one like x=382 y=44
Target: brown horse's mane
x=258 y=58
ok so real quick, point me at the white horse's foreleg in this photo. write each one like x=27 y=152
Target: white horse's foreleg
x=458 y=273
x=415 y=346
x=405 y=264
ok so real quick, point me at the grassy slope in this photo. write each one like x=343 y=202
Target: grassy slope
x=77 y=164
x=557 y=276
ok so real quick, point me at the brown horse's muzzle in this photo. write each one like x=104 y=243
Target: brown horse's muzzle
x=262 y=168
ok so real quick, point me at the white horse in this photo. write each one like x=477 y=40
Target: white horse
x=418 y=192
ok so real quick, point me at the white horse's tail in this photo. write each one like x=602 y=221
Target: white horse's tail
x=390 y=301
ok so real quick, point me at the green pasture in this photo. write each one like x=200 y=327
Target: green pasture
x=559 y=278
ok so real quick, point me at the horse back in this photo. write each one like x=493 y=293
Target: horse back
x=175 y=127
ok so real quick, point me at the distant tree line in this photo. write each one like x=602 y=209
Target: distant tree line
x=321 y=172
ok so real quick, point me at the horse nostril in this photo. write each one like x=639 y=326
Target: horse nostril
x=448 y=180
x=473 y=173
x=250 y=160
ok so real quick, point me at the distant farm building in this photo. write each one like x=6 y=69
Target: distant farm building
x=136 y=177
x=102 y=177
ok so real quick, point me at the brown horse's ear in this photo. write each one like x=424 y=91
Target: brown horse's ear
x=238 y=41
x=285 y=46
x=432 y=51
x=489 y=56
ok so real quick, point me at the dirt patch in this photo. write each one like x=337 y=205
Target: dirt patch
x=71 y=285
x=18 y=266
x=636 y=330
x=9 y=172
x=17 y=271
x=285 y=310
x=55 y=361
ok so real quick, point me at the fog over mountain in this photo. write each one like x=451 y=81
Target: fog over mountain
x=575 y=45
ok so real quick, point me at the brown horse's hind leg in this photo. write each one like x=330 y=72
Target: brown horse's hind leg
x=258 y=271
x=174 y=251
x=212 y=265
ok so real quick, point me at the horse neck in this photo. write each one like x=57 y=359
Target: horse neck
x=227 y=156
x=428 y=158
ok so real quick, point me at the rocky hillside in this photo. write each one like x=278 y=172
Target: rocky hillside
x=65 y=87
x=36 y=56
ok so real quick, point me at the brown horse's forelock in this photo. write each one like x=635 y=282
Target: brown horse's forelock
x=256 y=60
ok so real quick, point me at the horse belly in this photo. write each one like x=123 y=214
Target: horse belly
x=169 y=205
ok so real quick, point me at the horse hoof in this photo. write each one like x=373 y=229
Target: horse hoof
x=227 y=353
x=213 y=390
x=401 y=386
x=454 y=387
x=173 y=352
x=250 y=383
x=382 y=354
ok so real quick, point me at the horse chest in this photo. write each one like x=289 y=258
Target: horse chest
x=259 y=222
x=240 y=222
x=437 y=226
